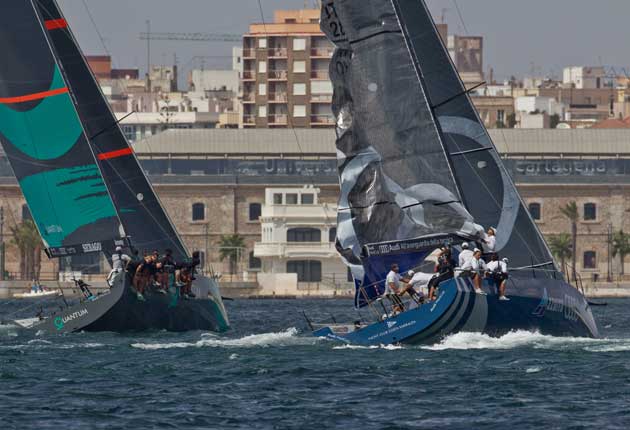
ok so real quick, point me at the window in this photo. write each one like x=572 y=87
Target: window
x=321 y=87
x=262 y=42
x=590 y=260
x=254 y=263
x=332 y=234
x=304 y=235
x=255 y=210
x=277 y=199
x=292 y=199
x=299 y=111
x=299 y=67
x=501 y=115
x=262 y=67
x=129 y=132
x=299 y=89
x=299 y=44
x=307 y=271
x=307 y=199
x=262 y=89
x=535 y=211
x=198 y=212
x=202 y=259
x=590 y=212
x=262 y=111
x=26 y=213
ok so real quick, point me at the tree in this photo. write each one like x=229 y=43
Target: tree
x=561 y=246
x=230 y=247
x=511 y=120
x=570 y=210
x=26 y=238
x=554 y=120
x=621 y=247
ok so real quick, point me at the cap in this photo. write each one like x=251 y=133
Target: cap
x=411 y=273
x=465 y=245
x=505 y=260
x=476 y=250
x=494 y=230
x=118 y=248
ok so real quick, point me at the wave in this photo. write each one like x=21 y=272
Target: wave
x=516 y=339
x=386 y=347
x=285 y=338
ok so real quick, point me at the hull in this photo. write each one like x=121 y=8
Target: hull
x=550 y=307
x=118 y=310
x=36 y=295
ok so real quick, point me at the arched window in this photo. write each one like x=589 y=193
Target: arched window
x=535 y=211
x=255 y=210
x=590 y=260
x=590 y=212
x=332 y=234
x=198 y=212
x=307 y=271
x=304 y=235
x=254 y=262
x=26 y=213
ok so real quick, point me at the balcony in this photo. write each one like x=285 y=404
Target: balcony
x=322 y=120
x=322 y=52
x=249 y=119
x=278 y=75
x=295 y=250
x=249 y=53
x=278 y=97
x=249 y=98
x=320 y=74
x=321 y=98
x=249 y=75
x=278 y=119
x=280 y=52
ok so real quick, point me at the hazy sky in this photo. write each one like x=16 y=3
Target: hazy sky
x=519 y=34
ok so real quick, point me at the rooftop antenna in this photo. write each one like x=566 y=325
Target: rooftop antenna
x=149 y=55
x=444 y=11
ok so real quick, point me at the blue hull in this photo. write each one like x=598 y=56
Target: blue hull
x=548 y=306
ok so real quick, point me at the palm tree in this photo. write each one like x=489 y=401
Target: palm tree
x=561 y=247
x=571 y=212
x=621 y=247
x=230 y=247
x=26 y=238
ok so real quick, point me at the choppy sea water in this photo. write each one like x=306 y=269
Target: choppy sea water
x=267 y=373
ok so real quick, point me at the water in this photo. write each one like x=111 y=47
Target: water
x=268 y=374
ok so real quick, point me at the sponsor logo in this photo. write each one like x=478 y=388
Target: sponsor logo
x=61 y=321
x=391 y=324
x=565 y=306
x=51 y=229
x=391 y=329
x=406 y=246
x=92 y=247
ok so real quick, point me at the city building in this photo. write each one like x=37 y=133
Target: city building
x=285 y=79
x=585 y=78
x=216 y=182
x=297 y=246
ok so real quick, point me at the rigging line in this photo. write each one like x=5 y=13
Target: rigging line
x=122 y=180
x=456 y=96
x=461 y=17
x=290 y=121
x=106 y=129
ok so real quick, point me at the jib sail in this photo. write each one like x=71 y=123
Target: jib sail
x=143 y=217
x=416 y=165
x=45 y=142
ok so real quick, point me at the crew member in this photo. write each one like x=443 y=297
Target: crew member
x=498 y=271
x=474 y=269
x=445 y=269
x=119 y=261
x=392 y=288
x=413 y=283
x=465 y=255
x=143 y=276
x=489 y=241
x=165 y=270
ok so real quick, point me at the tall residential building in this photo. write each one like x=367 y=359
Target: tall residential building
x=285 y=79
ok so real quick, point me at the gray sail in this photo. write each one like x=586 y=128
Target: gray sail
x=486 y=188
x=396 y=180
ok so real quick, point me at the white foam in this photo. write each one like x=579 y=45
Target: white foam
x=516 y=339
x=533 y=369
x=285 y=338
x=386 y=347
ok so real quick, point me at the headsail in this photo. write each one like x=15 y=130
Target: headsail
x=143 y=217
x=416 y=165
x=45 y=142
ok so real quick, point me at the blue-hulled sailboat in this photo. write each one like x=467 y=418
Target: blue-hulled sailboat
x=417 y=170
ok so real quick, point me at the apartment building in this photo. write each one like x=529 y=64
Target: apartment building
x=285 y=79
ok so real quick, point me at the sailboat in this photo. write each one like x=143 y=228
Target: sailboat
x=81 y=180
x=418 y=170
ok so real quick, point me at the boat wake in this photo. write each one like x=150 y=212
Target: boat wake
x=527 y=339
x=285 y=338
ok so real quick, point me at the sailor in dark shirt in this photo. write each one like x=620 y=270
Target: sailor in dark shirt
x=445 y=269
x=166 y=269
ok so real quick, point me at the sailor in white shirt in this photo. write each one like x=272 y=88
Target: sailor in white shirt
x=465 y=255
x=392 y=288
x=475 y=268
x=418 y=283
x=119 y=261
x=489 y=240
x=499 y=272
